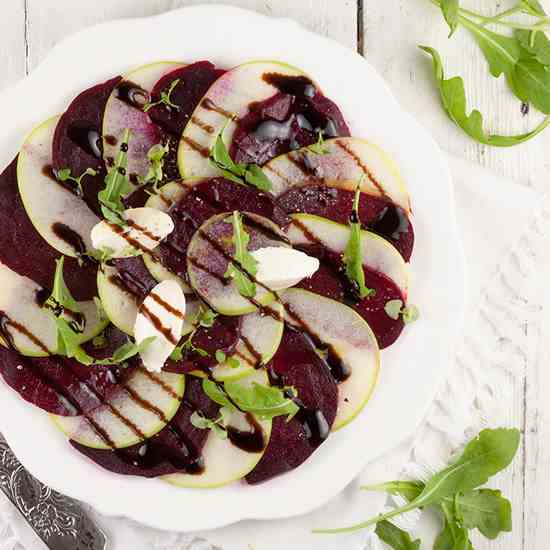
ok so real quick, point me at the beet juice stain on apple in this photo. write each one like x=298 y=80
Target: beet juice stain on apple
x=242 y=160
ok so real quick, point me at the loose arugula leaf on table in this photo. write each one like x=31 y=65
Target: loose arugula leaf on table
x=165 y=98
x=395 y=537
x=64 y=174
x=453 y=98
x=486 y=455
x=453 y=536
x=532 y=7
x=117 y=184
x=450 y=13
x=484 y=509
x=535 y=44
x=353 y=254
x=531 y=81
x=242 y=174
x=155 y=174
x=409 y=490
x=244 y=264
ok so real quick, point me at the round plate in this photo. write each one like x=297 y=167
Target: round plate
x=411 y=370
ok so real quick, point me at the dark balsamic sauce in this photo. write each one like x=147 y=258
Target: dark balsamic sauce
x=69 y=236
x=249 y=441
x=6 y=321
x=299 y=86
x=111 y=140
x=88 y=139
x=132 y=94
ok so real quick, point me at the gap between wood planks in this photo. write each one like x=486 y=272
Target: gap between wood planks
x=360 y=27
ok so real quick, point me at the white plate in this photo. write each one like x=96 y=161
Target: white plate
x=411 y=370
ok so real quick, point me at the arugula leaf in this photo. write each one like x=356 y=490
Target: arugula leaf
x=532 y=7
x=68 y=342
x=450 y=13
x=484 y=509
x=242 y=174
x=393 y=309
x=535 y=44
x=155 y=174
x=222 y=359
x=64 y=174
x=218 y=426
x=216 y=393
x=206 y=316
x=165 y=98
x=126 y=351
x=61 y=296
x=187 y=347
x=453 y=98
x=531 y=81
x=486 y=455
x=319 y=148
x=117 y=184
x=409 y=490
x=453 y=536
x=245 y=263
x=353 y=254
x=394 y=537
x=266 y=402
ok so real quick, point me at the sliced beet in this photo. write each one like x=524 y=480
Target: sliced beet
x=331 y=281
x=23 y=250
x=77 y=142
x=208 y=198
x=194 y=81
x=377 y=214
x=166 y=452
x=223 y=335
x=297 y=364
x=135 y=276
x=58 y=385
x=289 y=120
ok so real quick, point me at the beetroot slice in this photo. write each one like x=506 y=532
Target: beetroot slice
x=59 y=385
x=194 y=81
x=289 y=120
x=331 y=281
x=23 y=250
x=297 y=364
x=210 y=197
x=376 y=214
x=223 y=335
x=77 y=141
x=166 y=452
x=135 y=277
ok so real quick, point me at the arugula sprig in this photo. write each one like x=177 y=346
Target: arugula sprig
x=65 y=174
x=165 y=98
x=230 y=361
x=453 y=99
x=117 y=185
x=242 y=174
x=205 y=318
x=319 y=147
x=522 y=57
x=155 y=174
x=61 y=299
x=353 y=254
x=396 y=308
x=455 y=492
x=266 y=402
x=245 y=264
x=218 y=425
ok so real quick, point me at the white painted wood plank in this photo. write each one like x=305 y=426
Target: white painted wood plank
x=12 y=52
x=337 y=19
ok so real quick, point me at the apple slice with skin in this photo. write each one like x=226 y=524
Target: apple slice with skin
x=124 y=110
x=346 y=163
x=224 y=462
x=353 y=353
x=209 y=254
x=29 y=327
x=63 y=219
x=379 y=255
x=227 y=100
x=121 y=306
x=260 y=338
x=142 y=406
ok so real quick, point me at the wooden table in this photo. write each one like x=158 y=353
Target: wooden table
x=387 y=32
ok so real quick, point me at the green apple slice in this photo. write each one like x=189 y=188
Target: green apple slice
x=120 y=115
x=223 y=461
x=260 y=338
x=378 y=254
x=347 y=162
x=30 y=327
x=206 y=266
x=227 y=100
x=124 y=418
x=121 y=306
x=350 y=338
x=46 y=201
